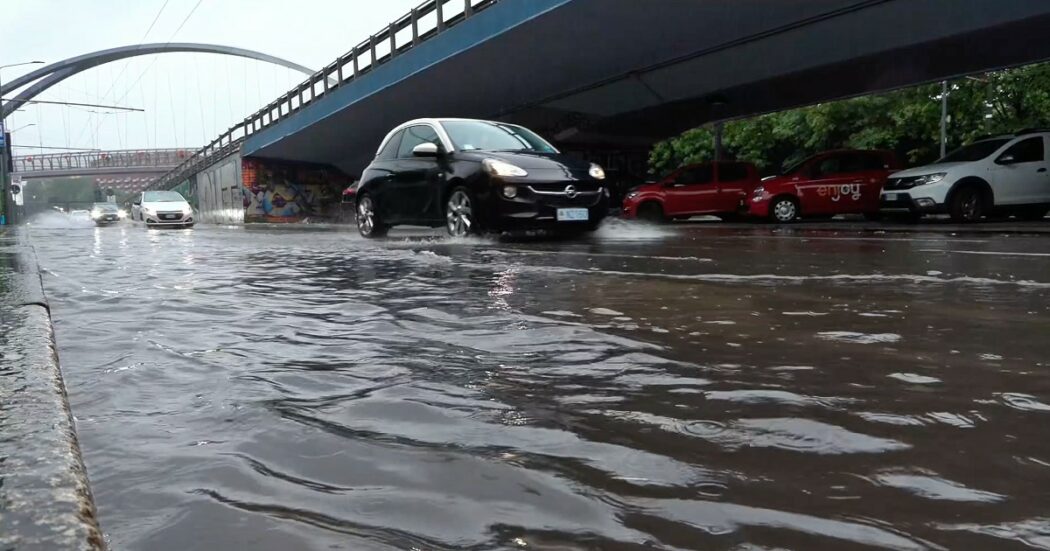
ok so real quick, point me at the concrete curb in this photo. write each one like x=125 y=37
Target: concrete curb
x=45 y=499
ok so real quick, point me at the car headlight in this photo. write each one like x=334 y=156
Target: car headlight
x=122 y=214
x=501 y=168
x=930 y=178
x=597 y=172
x=187 y=210
x=510 y=191
x=95 y=213
x=149 y=210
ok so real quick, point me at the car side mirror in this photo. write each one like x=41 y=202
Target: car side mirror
x=1007 y=159
x=426 y=149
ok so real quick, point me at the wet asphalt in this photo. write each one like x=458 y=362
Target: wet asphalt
x=695 y=386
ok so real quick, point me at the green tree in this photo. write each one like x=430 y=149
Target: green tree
x=906 y=121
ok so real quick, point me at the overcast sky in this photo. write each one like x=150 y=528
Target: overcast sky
x=189 y=98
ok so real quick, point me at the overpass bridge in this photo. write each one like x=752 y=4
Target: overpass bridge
x=621 y=73
x=124 y=170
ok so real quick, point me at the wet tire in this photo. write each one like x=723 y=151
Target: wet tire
x=652 y=213
x=968 y=205
x=461 y=213
x=368 y=222
x=784 y=210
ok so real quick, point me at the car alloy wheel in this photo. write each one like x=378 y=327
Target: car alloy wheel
x=367 y=219
x=459 y=214
x=785 y=210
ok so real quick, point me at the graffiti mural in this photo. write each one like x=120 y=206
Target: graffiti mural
x=290 y=192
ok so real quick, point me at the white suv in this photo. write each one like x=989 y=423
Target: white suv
x=1005 y=174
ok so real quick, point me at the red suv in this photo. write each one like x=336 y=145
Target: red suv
x=718 y=188
x=826 y=184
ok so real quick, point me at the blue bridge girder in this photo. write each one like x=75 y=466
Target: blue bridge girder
x=626 y=73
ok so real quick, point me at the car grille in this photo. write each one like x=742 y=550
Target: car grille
x=169 y=215
x=559 y=187
x=902 y=183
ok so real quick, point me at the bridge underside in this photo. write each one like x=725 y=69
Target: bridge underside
x=625 y=73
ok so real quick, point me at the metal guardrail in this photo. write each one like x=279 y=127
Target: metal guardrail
x=124 y=158
x=428 y=20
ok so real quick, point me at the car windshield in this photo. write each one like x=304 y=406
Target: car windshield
x=162 y=197
x=975 y=151
x=796 y=166
x=105 y=206
x=492 y=136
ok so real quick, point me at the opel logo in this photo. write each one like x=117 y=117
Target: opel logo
x=570 y=192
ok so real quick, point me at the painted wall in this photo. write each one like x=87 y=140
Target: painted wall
x=280 y=192
x=220 y=193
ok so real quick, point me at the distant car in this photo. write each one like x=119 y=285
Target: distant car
x=106 y=213
x=826 y=184
x=474 y=176
x=79 y=214
x=1007 y=174
x=162 y=208
x=716 y=188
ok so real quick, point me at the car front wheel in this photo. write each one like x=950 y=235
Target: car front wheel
x=368 y=222
x=783 y=210
x=967 y=205
x=460 y=219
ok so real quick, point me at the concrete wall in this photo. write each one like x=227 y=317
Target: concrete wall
x=217 y=193
x=45 y=500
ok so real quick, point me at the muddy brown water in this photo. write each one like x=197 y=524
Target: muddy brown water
x=673 y=388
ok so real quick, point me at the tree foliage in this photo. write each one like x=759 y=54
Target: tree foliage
x=906 y=121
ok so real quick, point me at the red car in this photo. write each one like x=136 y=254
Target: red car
x=826 y=184
x=719 y=188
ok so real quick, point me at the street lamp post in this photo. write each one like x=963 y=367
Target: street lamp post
x=5 y=147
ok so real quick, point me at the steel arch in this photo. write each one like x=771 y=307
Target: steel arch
x=56 y=72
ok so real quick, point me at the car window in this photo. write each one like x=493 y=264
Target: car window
x=389 y=151
x=413 y=136
x=694 y=175
x=828 y=166
x=873 y=161
x=975 y=151
x=162 y=197
x=732 y=172
x=1026 y=151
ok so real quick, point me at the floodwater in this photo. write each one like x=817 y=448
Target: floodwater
x=689 y=387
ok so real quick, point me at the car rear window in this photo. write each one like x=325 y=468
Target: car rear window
x=389 y=151
x=732 y=172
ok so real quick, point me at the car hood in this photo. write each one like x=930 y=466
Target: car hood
x=532 y=160
x=165 y=205
x=927 y=169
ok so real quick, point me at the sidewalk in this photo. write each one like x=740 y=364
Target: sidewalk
x=45 y=500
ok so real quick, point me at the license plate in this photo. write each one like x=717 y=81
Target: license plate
x=573 y=215
x=889 y=197
x=169 y=217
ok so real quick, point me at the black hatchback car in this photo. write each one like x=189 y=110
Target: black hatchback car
x=475 y=176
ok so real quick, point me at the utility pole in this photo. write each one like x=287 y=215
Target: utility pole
x=6 y=210
x=719 y=126
x=944 y=118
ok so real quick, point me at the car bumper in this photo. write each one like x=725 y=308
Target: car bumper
x=168 y=219
x=535 y=211
x=904 y=202
x=107 y=219
x=758 y=209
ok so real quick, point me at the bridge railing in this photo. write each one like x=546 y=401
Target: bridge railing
x=423 y=23
x=125 y=158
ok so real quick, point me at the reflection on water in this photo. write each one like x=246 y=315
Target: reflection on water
x=651 y=388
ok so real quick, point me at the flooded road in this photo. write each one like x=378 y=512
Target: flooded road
x=673 y=388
